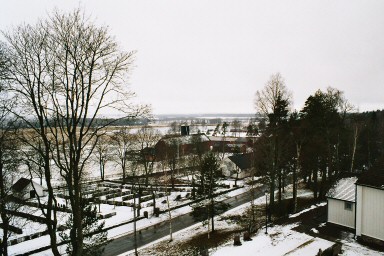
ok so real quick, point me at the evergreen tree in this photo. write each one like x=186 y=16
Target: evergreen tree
x=94 y=236
x=273 y=102
x=210 y=172
x=323 y=124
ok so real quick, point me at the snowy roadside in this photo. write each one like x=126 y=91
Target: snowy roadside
x=123 y=214
x=280 y=240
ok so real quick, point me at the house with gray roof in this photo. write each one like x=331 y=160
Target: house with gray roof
x=341 y=203
x=26 y=189
x=358 y=203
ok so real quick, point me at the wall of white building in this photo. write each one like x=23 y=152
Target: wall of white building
x=370 y=212
x=338 y=214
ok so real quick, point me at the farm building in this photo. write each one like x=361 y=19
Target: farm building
x=358 y=203
x=229 y=144
x=181 y=145
x=341 y=203
x=26 y=189
x=243 y=165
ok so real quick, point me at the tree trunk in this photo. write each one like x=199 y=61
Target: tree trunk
x=124 y=177
x=295 y=171
x=355 y=136
x=273 y=175
x=139 y=204
x=134 y=224
x=170 y=219
x=51 y=224
x=102 y=171
x=173 y=174
x=280 y=187
x=4 y=217
x=272 y=197
x=153 y=199
x=323 y=184
x=77 y=213
x=315 y=185
x=237 y=175
x=213 y=214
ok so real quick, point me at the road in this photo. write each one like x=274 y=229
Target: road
x=155 y=232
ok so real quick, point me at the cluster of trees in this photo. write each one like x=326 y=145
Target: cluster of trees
x=57 y=77
x=322 y=142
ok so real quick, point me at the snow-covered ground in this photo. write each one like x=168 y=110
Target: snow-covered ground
x=123 y=214
x=280 y=240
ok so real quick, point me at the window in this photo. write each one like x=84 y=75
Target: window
x=348 y=206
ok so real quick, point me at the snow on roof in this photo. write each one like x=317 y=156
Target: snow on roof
x=344 y=189
x=38 y=181
x=222 y=138
x=183 y=140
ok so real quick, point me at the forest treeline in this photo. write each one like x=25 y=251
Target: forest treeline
x=321 y=143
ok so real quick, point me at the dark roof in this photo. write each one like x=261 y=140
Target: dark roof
x=374 y=177
x=243 y=161
x=21 y=184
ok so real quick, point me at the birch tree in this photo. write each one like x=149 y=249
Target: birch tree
x=124 y=142
x=102 y=153
x=147 y=137
x=273 y=102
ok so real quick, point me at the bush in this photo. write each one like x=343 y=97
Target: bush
x=200 y=212
x=285 y=208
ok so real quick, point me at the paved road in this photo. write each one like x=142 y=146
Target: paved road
x=152 y=233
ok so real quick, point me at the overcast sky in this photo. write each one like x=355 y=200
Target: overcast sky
x=202 y=56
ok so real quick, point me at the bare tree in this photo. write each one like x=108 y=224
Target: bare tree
x=172 y=157
x=67 y=72
x=8 y=174
x=174 y=128
x=356 y=132
x=236 y=124
x=266 y=100
x=272 y=102
x=124 y=141
x=9 y=159
x=147 y=137
x=102 y=153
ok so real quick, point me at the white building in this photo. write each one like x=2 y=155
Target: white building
x=359 y=204
x=370 y=206
x=25 y=189
x=341 y=203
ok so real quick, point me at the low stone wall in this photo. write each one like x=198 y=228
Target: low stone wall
x=106 y=215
